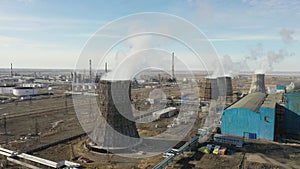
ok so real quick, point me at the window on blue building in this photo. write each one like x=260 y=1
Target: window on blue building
x=267 y=118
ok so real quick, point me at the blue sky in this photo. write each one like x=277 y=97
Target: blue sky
x=51 y=33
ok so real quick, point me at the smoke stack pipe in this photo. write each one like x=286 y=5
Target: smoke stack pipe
x=258 y=83
x=90 y=71
x=105 y=67
x=11 y=70
x=173 y=75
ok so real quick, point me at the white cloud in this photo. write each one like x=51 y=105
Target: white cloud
x=89 y=35
x=30 y=23
x=278 y=5
x=287 y=35
x=8 y=41
x=244 y=38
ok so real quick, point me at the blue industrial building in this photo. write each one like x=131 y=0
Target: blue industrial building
x=280 y=88
x=252 y=117
x=292 y=112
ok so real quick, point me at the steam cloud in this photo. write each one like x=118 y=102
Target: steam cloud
x=272 y=58
x=267 y=60
x=232 y=68
x=287 y=35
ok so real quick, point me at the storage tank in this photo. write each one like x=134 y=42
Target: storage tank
x=6 y=89
x=25 y=91
x=92 y=87
x=85 y=87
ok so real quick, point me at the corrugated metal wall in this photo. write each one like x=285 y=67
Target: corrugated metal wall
x=292 y=113
x=244 y=122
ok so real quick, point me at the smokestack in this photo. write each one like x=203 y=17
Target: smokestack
x=90 y=71
x=258 y=83
x=105 y=67
x=173 y=74
x=11 y=70
x=119 y=131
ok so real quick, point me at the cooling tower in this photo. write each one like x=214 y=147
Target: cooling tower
x=258 y=83
x=117 y=131
x=225 y=86
x=209 y=89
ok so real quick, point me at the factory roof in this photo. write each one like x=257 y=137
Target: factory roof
x=255 y=101
x=163 y=111
x=252 y=102
x=271 y=100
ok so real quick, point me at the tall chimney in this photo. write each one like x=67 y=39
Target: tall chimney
x=11 y=70
x=258 y=83
x=105 y=67
x=90 y=71
x=173 y=74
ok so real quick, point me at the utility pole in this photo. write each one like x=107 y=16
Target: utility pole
x=11 y=70
x=66 y=103
x=173 y=74
x=36 y=126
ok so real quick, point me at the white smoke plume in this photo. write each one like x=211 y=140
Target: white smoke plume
x=232 y=68
x=287 y=35
x=272 y=58
x=256 y=53
x=267 y=60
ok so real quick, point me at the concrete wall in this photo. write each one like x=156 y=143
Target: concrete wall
x=292 y=113
x=241 y=122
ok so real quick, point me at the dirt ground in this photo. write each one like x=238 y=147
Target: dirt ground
x=253 y=156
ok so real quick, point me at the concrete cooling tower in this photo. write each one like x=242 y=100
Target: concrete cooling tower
x=225 y=86
x=258 y=83
x=212 y=88
x=209 y=89
x=117 y=131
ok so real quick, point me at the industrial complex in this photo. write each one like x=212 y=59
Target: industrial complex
x=233 y=121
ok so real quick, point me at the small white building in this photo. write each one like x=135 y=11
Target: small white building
x=35 y=85
x=165 y=113
x=25 y=91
